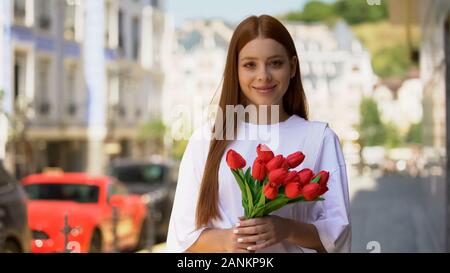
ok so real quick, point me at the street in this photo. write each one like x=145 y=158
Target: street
x=388 y=215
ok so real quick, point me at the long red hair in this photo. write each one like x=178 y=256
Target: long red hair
x=294 y=102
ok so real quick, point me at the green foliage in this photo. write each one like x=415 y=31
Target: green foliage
x=371 y=129
x=314 y=11
x=393 y=136
x=356 y=12
x=392 y=61
x=152 y=130
x=373 y=132
x=178 y=148
x=414 y=135
x=352 y=11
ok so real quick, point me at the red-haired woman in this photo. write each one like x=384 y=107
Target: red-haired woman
x=261 y=71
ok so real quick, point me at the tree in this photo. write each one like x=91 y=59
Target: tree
x=414 y=135
x=152 y=132
x=314 y=11
x=352 y=11
x=371 y=129
x=393 y=136
x=355 y=12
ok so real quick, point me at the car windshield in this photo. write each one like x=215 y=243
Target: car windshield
x=149 y=173
x=63 y=192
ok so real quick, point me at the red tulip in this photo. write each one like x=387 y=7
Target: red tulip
x=235 y=160
x=291 y=178
x=285 y=165
x=324 y=175
x=305 y=176
x=259 y=170
x=264 y=153
x=277 y=176
x=322 y=190
x=274 y=163
x=271 y=190
x=311 y=191
x=293 y=190
x=295 y=159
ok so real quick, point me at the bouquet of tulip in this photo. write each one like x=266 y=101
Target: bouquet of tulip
x=271 y=184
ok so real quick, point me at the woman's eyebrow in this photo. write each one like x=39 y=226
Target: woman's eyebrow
x=254 y=58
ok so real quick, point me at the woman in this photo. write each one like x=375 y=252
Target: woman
x=262 y=69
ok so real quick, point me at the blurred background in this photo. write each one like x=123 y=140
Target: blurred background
x=103 y=86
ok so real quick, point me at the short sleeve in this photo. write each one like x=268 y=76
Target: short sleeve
x=331 y=217
x=182 y=227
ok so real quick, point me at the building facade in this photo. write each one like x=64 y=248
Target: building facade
x=336 y=74
x=78 y=78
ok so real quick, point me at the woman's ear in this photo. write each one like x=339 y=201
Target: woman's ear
x=293 y=66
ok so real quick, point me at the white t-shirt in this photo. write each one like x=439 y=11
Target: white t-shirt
x=331 y=217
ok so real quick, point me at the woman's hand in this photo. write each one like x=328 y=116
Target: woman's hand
x=234 y=244
x=259 y=233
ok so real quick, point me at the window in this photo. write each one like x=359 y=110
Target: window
x=123 y=86
x=63 y=192
x=20 y=67
x=43 y=83
x=69 y=19
x=121 y=32
x=70 y=88
x=43 y=15
x=19 y=11
x=136 y=30
x=140 y=173
x=108 y=23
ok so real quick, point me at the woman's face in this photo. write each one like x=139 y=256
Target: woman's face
x=264 y=70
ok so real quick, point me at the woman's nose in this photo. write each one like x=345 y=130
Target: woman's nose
x=264 y=74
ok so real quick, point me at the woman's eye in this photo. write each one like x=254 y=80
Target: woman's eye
x=249 y=65
x=277 y=63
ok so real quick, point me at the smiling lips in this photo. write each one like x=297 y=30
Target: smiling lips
x=265 y=88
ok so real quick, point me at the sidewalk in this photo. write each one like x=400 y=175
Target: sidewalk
x=388 y=211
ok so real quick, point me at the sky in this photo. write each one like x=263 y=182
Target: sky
x=232 y=11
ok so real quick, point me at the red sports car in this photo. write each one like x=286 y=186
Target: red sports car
x=76 y=212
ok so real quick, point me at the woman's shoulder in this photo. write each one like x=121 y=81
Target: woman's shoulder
x=329 y=133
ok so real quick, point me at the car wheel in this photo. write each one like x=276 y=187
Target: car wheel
x=11 y=247
x=96 y=242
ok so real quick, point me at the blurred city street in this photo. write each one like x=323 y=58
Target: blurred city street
x=390 y=210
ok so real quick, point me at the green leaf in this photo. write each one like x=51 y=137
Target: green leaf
x=259 y=208
x=275 y=204
x=249 y=197
x=316 y=179
x=251 y=182
x=241 y=184
x=247 y=173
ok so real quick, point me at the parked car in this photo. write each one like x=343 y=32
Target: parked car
x=76 y=212
x=15 y=235
x=156 y=181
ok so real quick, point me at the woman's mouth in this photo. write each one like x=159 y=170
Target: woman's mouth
x=264 y=88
